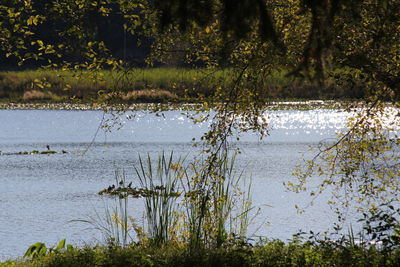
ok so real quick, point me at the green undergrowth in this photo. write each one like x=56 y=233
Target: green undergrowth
x=151 y=85
x=271 y=253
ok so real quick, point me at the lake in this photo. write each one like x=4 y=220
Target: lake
x=41 y=194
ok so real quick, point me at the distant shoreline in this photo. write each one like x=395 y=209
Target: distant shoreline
x=273 y=105
x=156 y=85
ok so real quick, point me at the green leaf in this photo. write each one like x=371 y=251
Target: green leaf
x=61 y=244
x=37 y=249
x=33 y=20
x=385 y=4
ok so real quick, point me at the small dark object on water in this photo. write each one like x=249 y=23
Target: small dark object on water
x=64 y=152
x=48 y=147
x=121 y=182
x=130 y=184
x=110 y=188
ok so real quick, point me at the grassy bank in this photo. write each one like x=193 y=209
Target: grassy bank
x=136 y=85
x=155 y=85
x=272 y=253
x=272 y=105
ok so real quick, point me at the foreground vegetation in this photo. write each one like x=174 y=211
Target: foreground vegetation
x=269 y=253
x=150 y=85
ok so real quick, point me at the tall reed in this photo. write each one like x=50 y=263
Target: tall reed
x=212 y=196
x=114 y=224
x=193 y=204
x=161 y=183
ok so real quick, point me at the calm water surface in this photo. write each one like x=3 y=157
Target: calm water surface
x=40 y=194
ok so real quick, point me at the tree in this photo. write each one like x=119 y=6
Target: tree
x=346 y=41
x=70 y=33
x=343 y=42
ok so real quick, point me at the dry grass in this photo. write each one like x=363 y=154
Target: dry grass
x=141 y=96
x=35 y=95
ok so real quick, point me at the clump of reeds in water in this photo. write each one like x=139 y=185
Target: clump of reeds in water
x=188 y=204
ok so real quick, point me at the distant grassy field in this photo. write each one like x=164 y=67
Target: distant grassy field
x=153 y=85
x=136 y=85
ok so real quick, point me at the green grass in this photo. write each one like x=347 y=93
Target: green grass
x=151 y=85
x=270 y=253
x=135 y=85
